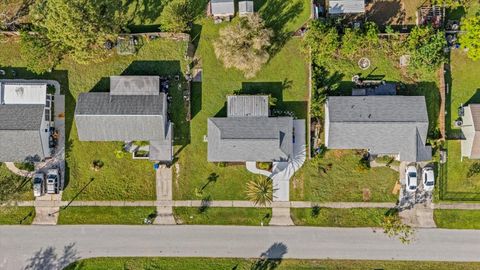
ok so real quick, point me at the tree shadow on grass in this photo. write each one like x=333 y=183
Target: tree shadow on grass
x=271 y=258
x=49 y=259
x=277 y=14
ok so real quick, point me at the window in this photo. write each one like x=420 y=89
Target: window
x=47 y=115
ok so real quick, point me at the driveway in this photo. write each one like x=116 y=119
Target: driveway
x=55 y=246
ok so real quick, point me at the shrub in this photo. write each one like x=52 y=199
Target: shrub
x=97 y=164
x=119 y=154
x=26 y=166
x=363 y=164
x=267 y=166
x=473 y=170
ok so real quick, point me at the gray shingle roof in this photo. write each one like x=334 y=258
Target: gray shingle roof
x=21 y=117
x=471 y=131
x=243 y=105
x=18 y=145
x=101 y=117
x=382 y=124
x=239 y=139
x=134 y=85
x=222 y=7
x=106 y=104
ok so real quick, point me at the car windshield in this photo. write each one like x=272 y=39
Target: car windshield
x=412 y=187
x=52 y=177
x=37 y=180
x=429 y=183
x=412 y=174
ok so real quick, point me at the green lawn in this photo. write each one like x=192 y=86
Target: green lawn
x=457 y=219
x=23 y=185
x=342 y=180
x=285 y=76
x=105 y=215
x=119 y=179
x=457 y=170
x=245 y=264
x=222 y=216
x=330 y=217
x=16 y=215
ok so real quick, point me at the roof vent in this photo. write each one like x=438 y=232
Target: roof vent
x=19 y=91
x=369 y=116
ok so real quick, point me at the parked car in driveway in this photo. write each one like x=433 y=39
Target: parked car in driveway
x=428 y=178
x=53 y=181
x=38 y=184
x=411 y=178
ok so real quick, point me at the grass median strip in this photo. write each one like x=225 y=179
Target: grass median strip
x=222 y=216
x=457 y=219
x=338 y=217
x=16 y=215
x=244 y=264
x=105 y=215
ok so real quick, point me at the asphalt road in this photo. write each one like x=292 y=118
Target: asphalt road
x=51 y=247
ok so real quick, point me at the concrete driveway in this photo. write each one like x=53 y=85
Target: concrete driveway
x=51 y=247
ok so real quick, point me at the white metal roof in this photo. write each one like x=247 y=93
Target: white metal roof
x=346 y=6
x=12 y=93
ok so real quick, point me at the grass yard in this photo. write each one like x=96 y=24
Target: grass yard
x=285 y=77
x=120 y=178
x=23 y=185
x=105 y=215
x=457 y=171
x=245 y=264
x=16 y=215
x=342 y=180
x=330 y=217
x=222 y=216
x=457 y=219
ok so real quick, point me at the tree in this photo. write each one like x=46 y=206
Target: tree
x=244 y=45
x=352 y=42
x=39 y=53
x=79 y=27
x=259 y=191
x=177 y=16
x=470 y=39
x=394 y=227
x=425 y=46
x=323 y=40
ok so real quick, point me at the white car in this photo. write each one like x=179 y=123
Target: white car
x=38 y=184
x=428 y=178
x=53 y=181
x=411 y=178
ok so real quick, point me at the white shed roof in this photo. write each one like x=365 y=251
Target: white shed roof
x=13 y=93
x=346 y=6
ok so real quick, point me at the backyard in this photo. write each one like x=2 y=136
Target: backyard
x=285 y=76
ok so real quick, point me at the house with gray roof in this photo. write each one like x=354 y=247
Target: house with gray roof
x=25 y=121
x=471 y=131
x=384 y=125
x=222 y=8
x=133 y=110
x=248 y=133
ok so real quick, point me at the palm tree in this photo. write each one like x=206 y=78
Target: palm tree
x=260 y=191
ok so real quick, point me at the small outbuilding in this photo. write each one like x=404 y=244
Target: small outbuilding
x=245 y=8
x=222 y=8
x=344 y=7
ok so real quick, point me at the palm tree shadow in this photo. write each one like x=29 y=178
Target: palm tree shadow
x=271 y=258
x=48 y=258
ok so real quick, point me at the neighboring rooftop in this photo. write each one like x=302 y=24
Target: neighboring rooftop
x=134 y=85
x=381 y=124
x=337 y=7
x=245 y=7
x=240 y=139
x=243 y=105
x=222 y=7
x=471 y=131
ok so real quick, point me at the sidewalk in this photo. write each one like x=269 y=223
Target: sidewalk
x=164 y=194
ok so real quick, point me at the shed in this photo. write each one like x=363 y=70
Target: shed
x=340 y=7
x=222 y=8
x=245 y=8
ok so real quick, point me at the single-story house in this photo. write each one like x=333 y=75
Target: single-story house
x=343 y=7
x=471 y=130
x=245 y=8
x=25 y=121
x=133 y=110
x=222 y=8
x=384 y=125
x=248 y=133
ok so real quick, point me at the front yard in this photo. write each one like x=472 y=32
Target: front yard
x=16 y=215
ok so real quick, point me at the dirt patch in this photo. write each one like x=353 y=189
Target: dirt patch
x=338 y=153
x=393 y=12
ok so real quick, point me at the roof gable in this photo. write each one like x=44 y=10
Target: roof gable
x=134 y=85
